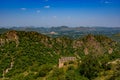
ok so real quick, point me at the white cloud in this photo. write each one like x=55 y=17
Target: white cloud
x=107 y=2
x=23 y=9
x=38 y=11
x=47 y=6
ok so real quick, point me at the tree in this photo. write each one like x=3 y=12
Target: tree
x=90 y=67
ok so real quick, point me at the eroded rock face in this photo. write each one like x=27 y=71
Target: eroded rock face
x=2 y=41
x=10 y=36
x=94 y=44
x=77 y=44
x=110 y=51
x=86 y=51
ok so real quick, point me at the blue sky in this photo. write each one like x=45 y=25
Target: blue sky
x=60 y=12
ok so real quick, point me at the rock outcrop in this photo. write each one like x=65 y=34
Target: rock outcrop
x=8 y=37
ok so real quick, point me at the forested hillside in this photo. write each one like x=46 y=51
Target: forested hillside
x=34 y=56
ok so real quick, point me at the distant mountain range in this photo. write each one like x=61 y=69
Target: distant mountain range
x=72 y=32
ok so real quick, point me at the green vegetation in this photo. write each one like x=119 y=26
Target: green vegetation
x=34 y=56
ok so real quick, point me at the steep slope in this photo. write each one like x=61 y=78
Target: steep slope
x=25 y=54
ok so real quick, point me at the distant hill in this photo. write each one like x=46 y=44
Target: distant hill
x=72 y=32
x=34 y=56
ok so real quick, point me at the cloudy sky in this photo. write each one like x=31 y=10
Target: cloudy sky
x=60 y=12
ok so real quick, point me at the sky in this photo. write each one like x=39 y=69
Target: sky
x=47 y=13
